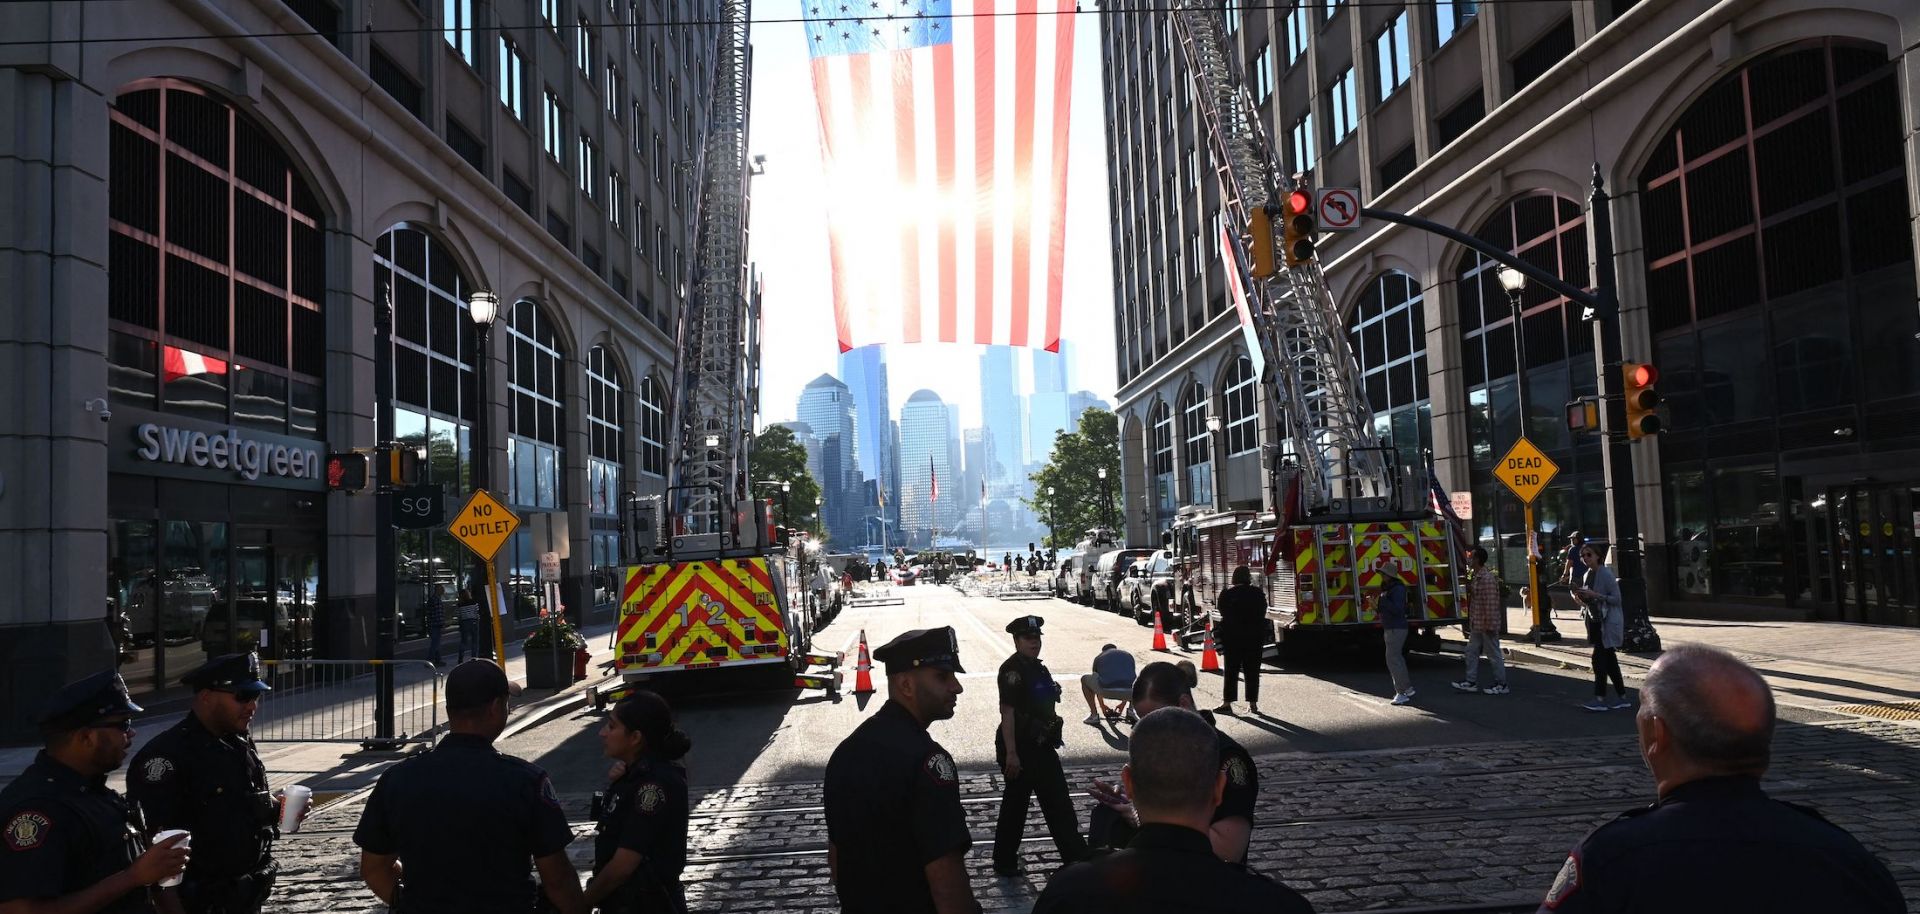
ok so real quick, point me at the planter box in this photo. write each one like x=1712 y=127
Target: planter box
x=549 y=667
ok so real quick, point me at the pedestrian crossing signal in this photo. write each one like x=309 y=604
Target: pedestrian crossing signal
x=403 y=464
x=348 y=472
x=1641 y=399
x=1299 y=228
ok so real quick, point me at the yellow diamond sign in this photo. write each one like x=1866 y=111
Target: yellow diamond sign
x=1525 y=470
x=483 y=524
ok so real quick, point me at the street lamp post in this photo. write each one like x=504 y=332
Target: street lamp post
x=1106 y=494
x=484 y=309
x=1050 y=533
x=1213 y=465
x=819 y=509
x=1515 y=282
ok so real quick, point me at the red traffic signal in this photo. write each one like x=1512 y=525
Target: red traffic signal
x=348 y=472
x=1299 y=228
x=1641 y=399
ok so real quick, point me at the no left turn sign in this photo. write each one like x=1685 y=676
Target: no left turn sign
x=1338 y=208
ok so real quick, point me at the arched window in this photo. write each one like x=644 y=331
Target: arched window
x=606 y=432
x=1388 y=333
x=1780 y=294
x=1549 y=232
x=653 y=427
x=1243 y=420
x=1160 y=441
x=215 y=266
x=1196 y=452
x=536 y=420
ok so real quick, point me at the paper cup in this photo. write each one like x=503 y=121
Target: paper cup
x=162 y=838
x=293 y=806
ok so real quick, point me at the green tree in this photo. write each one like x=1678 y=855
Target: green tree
x=1079 y=501
x=775 y=454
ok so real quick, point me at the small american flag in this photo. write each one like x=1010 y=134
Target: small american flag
x=943 y=127
x=1442 y=505
x=933 y=480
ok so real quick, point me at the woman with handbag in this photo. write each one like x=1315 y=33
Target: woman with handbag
x=1599 y=596
x=1244 y=632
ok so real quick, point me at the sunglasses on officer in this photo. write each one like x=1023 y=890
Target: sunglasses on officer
x=243 y=696
x=124 y=725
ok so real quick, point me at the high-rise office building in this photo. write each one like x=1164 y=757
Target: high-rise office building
x=926 y=457
x=865 y=372
x=1003 y=409
x=1762 y=229
x=827 y=406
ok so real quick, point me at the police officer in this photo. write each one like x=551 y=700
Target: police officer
x=1026 y=747
x=1715 y=841
x=640 y=844
x=1162 y=685
x=67 y=840
x=451 y=830
x=1175 y=776
x=204 y=776
x=897 y=838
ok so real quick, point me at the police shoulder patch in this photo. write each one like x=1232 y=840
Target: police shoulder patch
x=939 y=766
x=27 y=830
x=1010 y=677
x=1565 y=883
x=649 y=797
x=1237 y=771
x=156 y=769
x=547 y=795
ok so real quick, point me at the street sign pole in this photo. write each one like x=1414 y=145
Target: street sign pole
x=385 y=583
x=493 y=610
x=482 y=526
x=1526 y=470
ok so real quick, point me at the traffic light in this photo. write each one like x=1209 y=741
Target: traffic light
x=1300 y=227
x=1638 y=379
x=348 y=472
x=1260 y=226
x=403 y=464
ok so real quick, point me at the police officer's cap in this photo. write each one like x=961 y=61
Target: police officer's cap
x=236 y=673
x=86 y=702
x=934 y=647
x=1025 y=625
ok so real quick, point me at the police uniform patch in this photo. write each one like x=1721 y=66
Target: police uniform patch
x=1237 y=771
x=157 y=769
x=27 y=830
x=547 y=795
x=1565 y=883
x=1011 y=677
x=649 y=797
x=940 y=769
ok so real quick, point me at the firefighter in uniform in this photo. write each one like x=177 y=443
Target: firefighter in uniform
x=640 y=839
x=452 y=830
x=68 y=839
x=897 y=837
x=1026 y=746
x=204 y=776
x=1715 y=841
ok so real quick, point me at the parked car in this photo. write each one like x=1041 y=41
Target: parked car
x=1146 y=586
x=1111 y=570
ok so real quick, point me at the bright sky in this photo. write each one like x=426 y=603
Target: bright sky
x=789 y=236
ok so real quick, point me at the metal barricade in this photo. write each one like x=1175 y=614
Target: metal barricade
x=332 y=701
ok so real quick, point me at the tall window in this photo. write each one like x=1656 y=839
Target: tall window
x=1232 y=13
x=589 y=166
x=1298 y=30
x=615 y=93
x=556 y=125
x=583 y=48
x=1160 y=429
x=606 y=432
x=640 y=228
x=512 y=77
x=216 y=272
x=1303 y=142
x=653 y=427
x=1242 y=421
x=616 y=198
x=456 y=25
x=1391 y=55
x=1342 y=98
x=550 y=13
x=1449 y=16
x=1388 y=334
x=536 y=419
x=1263 y=75
x=1196 y=451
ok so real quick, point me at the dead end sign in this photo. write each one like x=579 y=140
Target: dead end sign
x=483 y=524
x=1526 y=470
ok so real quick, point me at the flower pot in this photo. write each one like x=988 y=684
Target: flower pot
x=549 y=667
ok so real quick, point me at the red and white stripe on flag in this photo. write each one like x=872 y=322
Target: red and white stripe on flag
x=933 y=479
x=944 y=140
x=177 y=363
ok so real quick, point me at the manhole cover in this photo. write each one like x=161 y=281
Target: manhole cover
x=1893 y=710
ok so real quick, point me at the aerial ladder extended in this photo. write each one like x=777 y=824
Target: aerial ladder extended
x=711 y=582
x=1344 y=503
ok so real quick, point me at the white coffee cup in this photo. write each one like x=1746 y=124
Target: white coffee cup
x=294 y=805
x=186 y=840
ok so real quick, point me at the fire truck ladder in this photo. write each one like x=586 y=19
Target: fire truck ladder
x=1309 y=363
x=709 y=459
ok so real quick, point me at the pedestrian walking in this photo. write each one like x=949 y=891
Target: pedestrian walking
x=71 y=842
x=1486 y=610
x=1170 y=685
x=1599 y=596
x=467 y=615
x=1714 y=840
x=640 y=837
x=1112 y=678
x=1244 y=632
x=503 y=811
x=435 y=621
x=1026 y=747
x=1174 y=775
x=1390 y=607
x=897 y=836
x=204 y=776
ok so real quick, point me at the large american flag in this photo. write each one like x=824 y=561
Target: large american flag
x=943 y=129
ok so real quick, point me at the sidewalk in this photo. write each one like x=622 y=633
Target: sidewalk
x=1808 y=663
x=333 y=769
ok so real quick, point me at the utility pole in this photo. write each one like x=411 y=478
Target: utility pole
x=384 y=583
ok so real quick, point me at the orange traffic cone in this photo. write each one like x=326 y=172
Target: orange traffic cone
x=1208 y=659
x=863 y=669
x=1159 y=634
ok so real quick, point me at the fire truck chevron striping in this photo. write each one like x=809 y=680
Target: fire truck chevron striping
x=700 y=615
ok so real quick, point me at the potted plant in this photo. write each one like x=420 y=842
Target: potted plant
x=549 y=650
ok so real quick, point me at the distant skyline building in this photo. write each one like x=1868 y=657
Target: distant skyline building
x=1053 y=371
x=1003 y=409
x=827 y=406
x=926 y=455
x=803 y=433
